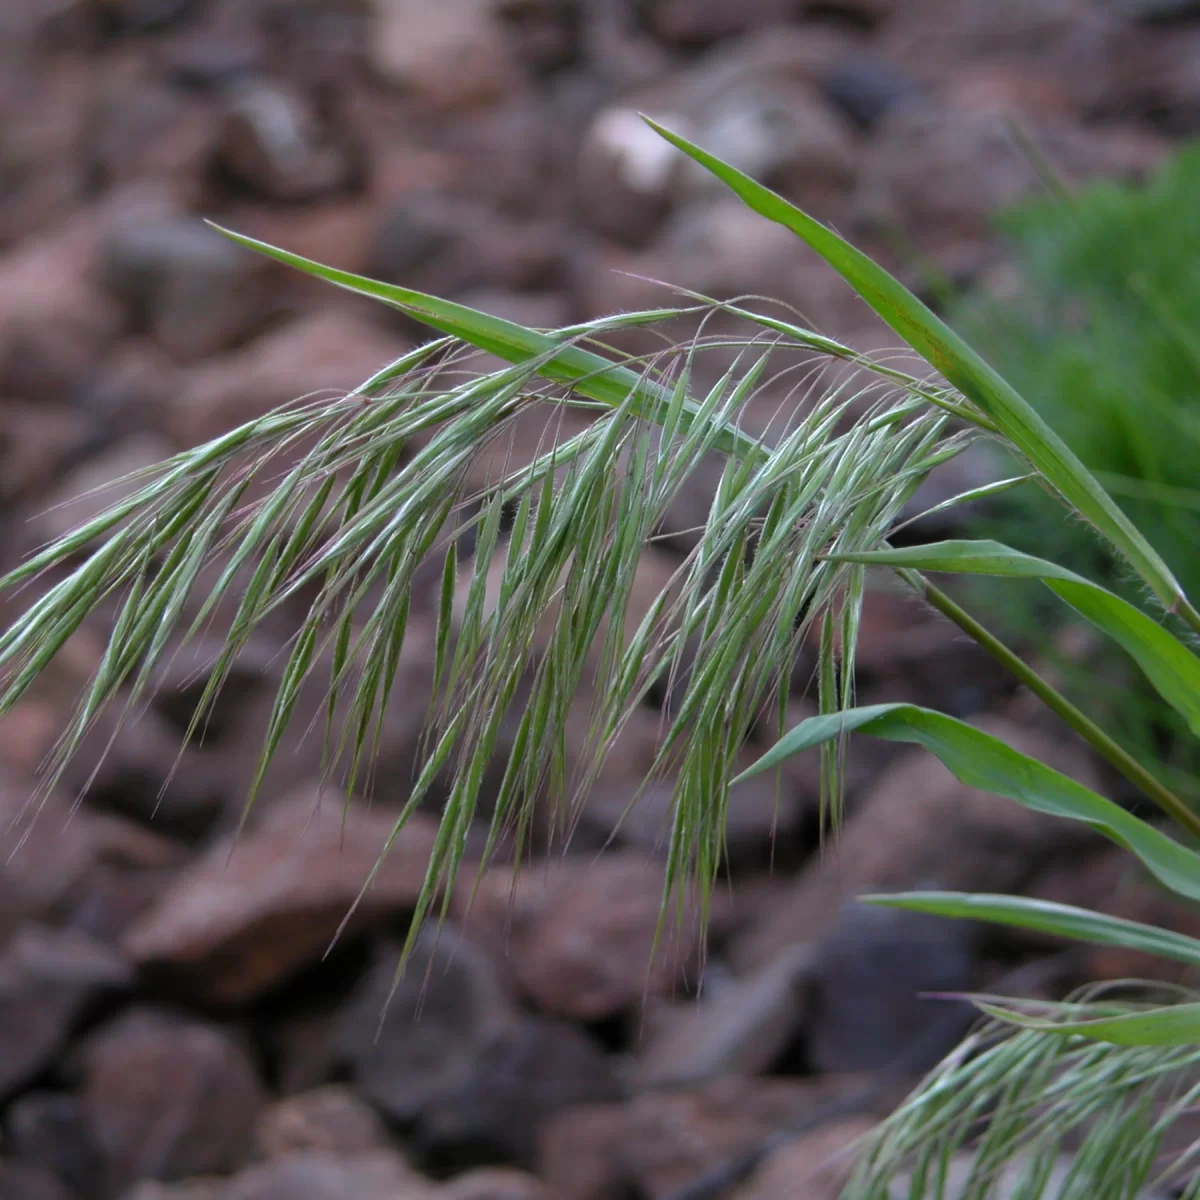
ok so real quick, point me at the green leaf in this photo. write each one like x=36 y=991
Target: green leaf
x=985 y=762
x=1171 y=1025
x=590 y=374
x=1169 y=665
x=1063 y=920
x=961 y=366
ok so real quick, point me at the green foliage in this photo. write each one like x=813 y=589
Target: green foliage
x=1098 y=332
x=365 y=487
x=1017 y=1098
x=987 y=763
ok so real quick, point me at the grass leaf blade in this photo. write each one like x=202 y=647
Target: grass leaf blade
x=935 y=341
x=1046 y=916
x=980 y=760
x=1168 y=663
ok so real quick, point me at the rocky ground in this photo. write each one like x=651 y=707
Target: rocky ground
x=170 y=1027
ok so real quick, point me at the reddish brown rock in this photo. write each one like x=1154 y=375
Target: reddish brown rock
x=167 y=1099
x=209 y=1188
x=46 y=97
x=38 y=442
x=673 y=1138
x=742 y=1029
x=494 y=1183
x=579 y=1153
x=579 y=934
x=665 y=1140
x=544 y=34
x=254 y=909
x=49 y=1130
x=301 y=756
x=815 y=1165
x=867 y=996
x=866 y=11
x=926 y=32
x=139 y=128
x=379 y=1175
x=48 y=979
x=46 y=850
x=450 y=56
x=329 y=353
x=132 y=764
x=97 y=484
x=133 y=865
x=765 y=820
x=1154 y=74
x=54 y=321
x=30 y=1183
x=752 y=101
x=448 y=245
x=895 y=628
x=337 y=230
x=1020 y=90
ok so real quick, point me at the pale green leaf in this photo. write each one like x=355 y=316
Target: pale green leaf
x=1062 y=920
x=935 y=341
x=590 y=374
x=1171 y=667
x=985 y=762
x=1170 y=1025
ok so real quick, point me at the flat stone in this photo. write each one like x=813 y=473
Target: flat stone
x=253 y=909
x=580 y=934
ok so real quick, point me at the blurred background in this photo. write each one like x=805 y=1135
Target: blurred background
x=170 y=1025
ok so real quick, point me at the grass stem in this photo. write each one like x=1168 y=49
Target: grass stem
x=1083 y=725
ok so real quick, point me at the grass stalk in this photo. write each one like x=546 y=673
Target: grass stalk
x=1083 y=725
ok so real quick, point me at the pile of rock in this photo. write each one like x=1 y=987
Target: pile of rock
x=183 y=1014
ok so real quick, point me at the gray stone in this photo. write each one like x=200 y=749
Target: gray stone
x=49 y=1130
x=193 y=290
x=866 y=1006
x=535 y=1069
x=23 y=1182
x=411 y=1047
x=865 y=87
x=272 y=143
